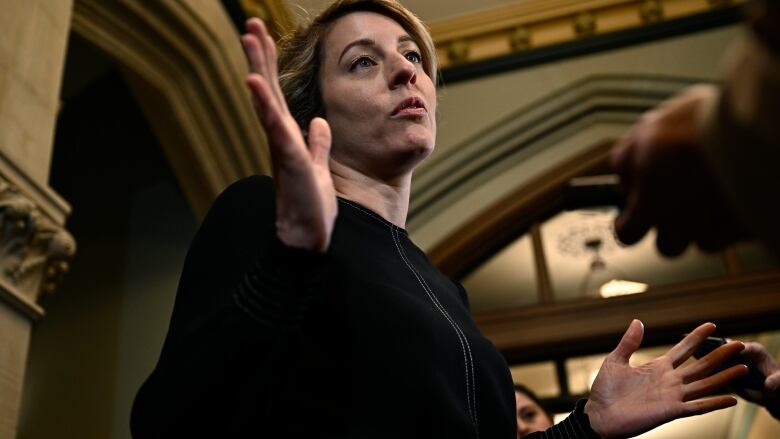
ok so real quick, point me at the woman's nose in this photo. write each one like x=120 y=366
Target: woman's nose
x=522 y=429
x=403 y=72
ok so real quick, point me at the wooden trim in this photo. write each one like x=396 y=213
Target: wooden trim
x=732 y=261
x=540 y=263
x=738 y=304
x=513 y=215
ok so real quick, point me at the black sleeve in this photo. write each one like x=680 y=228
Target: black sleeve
x=575 y=426
x=234 y=324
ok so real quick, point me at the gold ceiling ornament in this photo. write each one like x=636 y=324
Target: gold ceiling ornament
x=520 y=39
x=651 y=11
x=585 y=24
x=493 y=32
x=275 y=13
x=458 y=51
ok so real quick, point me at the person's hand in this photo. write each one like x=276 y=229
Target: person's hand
x=769 y=397
x=626 y=401
x=668 y=181
x=306 y=206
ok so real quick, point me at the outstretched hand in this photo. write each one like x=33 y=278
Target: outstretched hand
x=306 y=204
x=626 y=401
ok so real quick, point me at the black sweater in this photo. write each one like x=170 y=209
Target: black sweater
x=367 y=341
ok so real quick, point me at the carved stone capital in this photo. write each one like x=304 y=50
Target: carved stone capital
x=35 y=251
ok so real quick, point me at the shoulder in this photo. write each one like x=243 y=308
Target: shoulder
x=253 y=188
x=464 y=297
x=248 y=199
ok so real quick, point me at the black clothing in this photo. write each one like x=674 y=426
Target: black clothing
x=367 y=341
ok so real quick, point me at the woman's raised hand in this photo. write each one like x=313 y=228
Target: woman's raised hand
x=306 y=204
x=626 y=401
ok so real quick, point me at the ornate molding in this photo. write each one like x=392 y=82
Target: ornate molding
x=35 y=252
x=540 y=23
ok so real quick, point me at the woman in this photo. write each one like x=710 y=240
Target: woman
x=285 y=282
x=531 y=415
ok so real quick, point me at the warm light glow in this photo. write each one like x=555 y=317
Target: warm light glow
x=617 y=287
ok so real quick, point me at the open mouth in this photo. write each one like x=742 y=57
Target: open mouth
x=412 y=106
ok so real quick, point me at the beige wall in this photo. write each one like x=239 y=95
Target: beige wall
x=14 y=340
x=32 y=52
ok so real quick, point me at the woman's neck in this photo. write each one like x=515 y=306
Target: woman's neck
x=388 y=199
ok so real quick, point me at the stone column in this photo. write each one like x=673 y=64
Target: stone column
x=34 y=247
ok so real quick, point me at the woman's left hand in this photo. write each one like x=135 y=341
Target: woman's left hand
x=626 y=401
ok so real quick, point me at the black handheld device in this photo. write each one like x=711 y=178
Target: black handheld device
x=594 y=191
x=754 y=378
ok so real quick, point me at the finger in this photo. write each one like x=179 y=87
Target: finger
x=702 y=367
x=758 y=354
x=263 y=100
x=319 y=141
x=620 y=158
x=258 y=33
x=701 y=406
x=253 y=52
x=671 y=241
x=629 y=343
x=268 y=47
x=687 y=346
x=706 y=386
x=772 y=382
x=272 y=64
x=632 y=223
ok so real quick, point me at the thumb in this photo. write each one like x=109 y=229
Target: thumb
x=629 y=343
x=319 y=141
x=772 y=382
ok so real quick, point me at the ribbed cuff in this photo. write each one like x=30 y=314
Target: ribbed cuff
x=275 y=292
x=576 y=425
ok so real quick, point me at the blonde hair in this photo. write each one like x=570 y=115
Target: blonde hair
x=300 y=53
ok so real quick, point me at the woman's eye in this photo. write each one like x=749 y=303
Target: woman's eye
x=361 y=63
x=413 y=56
x=528 y=416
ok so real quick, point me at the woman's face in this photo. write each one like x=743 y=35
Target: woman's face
x=530 y=417
x=379 y=102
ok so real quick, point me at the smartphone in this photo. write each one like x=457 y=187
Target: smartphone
x=754 y=378
x=593 y=191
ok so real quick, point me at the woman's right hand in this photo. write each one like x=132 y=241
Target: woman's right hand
x=306 y=206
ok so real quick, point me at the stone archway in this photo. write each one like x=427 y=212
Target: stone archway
x=184 y=63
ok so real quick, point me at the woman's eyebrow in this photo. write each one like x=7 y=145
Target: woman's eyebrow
x=361 y=42
x=368 y=42
x=406 y=39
